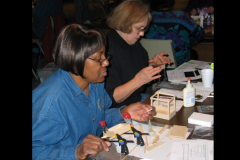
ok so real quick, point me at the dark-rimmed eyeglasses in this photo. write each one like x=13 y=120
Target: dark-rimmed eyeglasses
x=107 y=56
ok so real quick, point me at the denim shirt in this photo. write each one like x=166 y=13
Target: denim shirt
x=63 y=115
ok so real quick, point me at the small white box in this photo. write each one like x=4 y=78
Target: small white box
x=201 y=119
x=46 y=71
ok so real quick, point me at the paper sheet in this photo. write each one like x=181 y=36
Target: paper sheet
x=160 y=153
x=194 y=64
x=192 y=149
x=204 y=91
x=177 y=75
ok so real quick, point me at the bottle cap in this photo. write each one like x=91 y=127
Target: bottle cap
x=189 y=84
x=212 y=65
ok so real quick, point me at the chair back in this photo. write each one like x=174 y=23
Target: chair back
x=154 y=46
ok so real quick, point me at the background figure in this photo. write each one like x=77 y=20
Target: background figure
x=42 y=10
x=193 y=6
x=176 y=25
x=129 y=69
x=82 y=11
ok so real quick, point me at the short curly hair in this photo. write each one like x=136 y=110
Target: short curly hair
x=128 y=13
x=74 y=44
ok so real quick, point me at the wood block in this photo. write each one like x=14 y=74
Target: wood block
x=178 y=132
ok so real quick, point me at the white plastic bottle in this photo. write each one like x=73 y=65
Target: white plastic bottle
x=189 y=95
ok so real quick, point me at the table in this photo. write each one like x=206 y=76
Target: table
x=181 y=117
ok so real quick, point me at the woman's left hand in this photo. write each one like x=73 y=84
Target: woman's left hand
x=160 y=59
x=138 y=111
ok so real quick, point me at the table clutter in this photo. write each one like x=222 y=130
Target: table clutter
x=162 y=138
x=161 y=148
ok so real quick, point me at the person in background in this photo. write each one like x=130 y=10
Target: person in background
x=129 y=70
x=176 y=25
x=40 y=12
x=194 y=6
x=84 y=16
x=68 y=106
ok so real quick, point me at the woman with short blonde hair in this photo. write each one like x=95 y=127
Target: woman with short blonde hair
x=129 y=69
x=127 y=14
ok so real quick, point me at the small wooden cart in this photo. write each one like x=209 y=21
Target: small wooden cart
x=165 y=105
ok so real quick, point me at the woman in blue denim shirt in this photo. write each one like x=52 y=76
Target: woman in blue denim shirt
x=68 y=106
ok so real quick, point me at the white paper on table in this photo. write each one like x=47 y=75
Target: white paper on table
x=192 y=149
x=160 y=153
x=193 y=64
x=200 y=89
x=177 y=75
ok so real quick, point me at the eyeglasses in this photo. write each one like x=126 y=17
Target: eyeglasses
x=108 y=57
x=140 y=30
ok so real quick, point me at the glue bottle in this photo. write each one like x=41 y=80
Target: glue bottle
x=189 y=95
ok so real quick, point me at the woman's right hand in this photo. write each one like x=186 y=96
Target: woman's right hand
x=91 y=145
x=148 y=74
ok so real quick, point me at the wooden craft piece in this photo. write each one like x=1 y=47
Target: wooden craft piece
x=150 y=126
x=155 y=140
x=177 y=132
x=163 y=129
x=155 y=145
x=140 y=127
x=119 y=129
x=146 y=142
x=165 y=105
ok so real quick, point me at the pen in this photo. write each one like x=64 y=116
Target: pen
x=148 y=110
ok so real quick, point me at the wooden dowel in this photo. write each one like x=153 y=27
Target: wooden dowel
x=140 y=127
x=163 y=129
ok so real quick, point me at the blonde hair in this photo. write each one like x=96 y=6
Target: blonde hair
x=128 y=13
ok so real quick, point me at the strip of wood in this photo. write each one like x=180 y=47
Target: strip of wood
x=155 y=140
x=140 y=127
x=163 y=129
x=146 y=143
x=155 y=145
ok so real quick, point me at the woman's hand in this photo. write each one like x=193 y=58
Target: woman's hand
x=138 y=111
x=91 y=145
x=148 y=74
x=160 y=59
